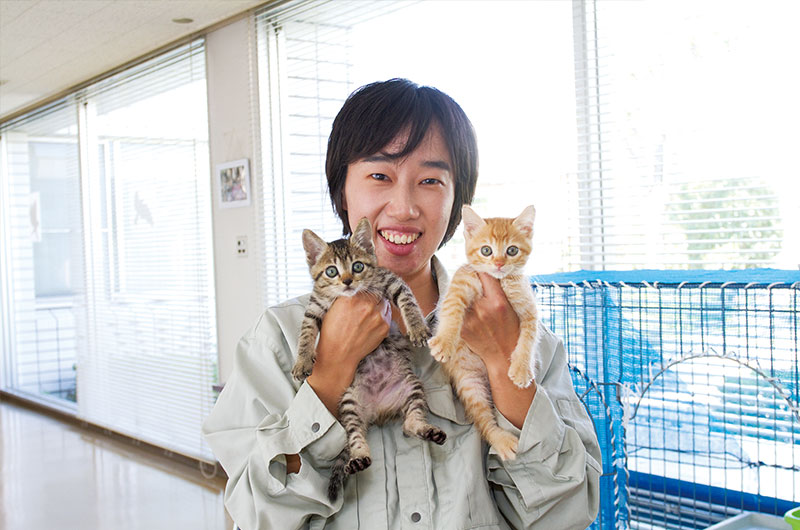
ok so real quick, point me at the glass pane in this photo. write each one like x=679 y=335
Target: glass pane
x=45 y=255
x=151 y=303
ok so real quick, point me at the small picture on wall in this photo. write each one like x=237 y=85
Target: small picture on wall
x=233 y=179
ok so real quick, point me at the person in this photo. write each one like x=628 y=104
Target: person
x=405 y=157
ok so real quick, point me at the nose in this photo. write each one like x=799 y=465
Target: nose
x=347 y=280
x=403 y=204
x=499 y=264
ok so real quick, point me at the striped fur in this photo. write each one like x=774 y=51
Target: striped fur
x=465 y=369
x=385 y=385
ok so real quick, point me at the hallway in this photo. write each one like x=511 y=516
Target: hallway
x=57 y=475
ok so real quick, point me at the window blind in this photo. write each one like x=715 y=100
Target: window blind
x=685 y=120
x=41 y=252
x=313 y=54
x=148 y=363
x=122 y=172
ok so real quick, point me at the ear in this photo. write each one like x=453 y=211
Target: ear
x=524 y=221
x=472 y=221
x=362 y=235
x=314 y=246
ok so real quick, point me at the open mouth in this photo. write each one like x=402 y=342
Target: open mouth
x=399 y=238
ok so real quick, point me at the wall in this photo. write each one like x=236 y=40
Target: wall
x=230 y=118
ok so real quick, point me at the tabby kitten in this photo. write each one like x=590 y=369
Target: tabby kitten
x=385 y=385
x=499 y=247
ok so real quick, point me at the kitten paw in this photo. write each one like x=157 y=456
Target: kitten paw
x=434 y=434
x=505 y=444
x=302 y=370
x=358 y=464
x=419 y=336
x=522 y=375
x=439 y=349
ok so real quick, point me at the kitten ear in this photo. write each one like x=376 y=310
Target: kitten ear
x=524 y=221
x=362 y=235
x=314 y=246
x=472 y=221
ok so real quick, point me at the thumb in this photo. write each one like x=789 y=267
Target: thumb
x=491 y=286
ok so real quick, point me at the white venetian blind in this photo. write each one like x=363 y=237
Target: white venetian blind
x=312 y=54
x=41 y=254
x=687 y=127
x=149 y=359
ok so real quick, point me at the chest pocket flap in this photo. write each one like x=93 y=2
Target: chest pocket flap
x=443 y=403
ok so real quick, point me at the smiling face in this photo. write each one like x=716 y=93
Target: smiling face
x=407 y=200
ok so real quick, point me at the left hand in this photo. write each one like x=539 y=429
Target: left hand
x=491 y=326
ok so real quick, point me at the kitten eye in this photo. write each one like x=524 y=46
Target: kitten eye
x=331 y=272
x=512 y=250
x=486 y=250
x=358 y=267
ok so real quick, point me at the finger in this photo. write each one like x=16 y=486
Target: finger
x=491 y=286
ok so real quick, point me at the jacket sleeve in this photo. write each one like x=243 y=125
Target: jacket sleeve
x=260 y=417
x=554 y=482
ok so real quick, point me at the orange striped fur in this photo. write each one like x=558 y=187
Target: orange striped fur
x=499 y=247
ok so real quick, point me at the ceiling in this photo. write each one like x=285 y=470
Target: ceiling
x=48 y=46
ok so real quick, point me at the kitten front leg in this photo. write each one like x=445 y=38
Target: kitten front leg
x=306 y=347
x=400 y=294
x=521 y=298
x=462 y=291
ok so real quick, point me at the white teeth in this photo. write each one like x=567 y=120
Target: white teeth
x=399 y=239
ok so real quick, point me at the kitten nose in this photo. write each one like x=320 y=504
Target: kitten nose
x=499 y=263
x=347 y=280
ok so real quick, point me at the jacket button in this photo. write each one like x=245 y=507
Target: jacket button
x=415 y=517
x=315 y=427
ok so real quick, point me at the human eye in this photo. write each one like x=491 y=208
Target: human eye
x=431 y=180
x=378 y=176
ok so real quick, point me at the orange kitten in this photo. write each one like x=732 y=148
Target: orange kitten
x=499 y=247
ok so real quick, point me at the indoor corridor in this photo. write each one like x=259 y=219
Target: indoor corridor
x=54 y=474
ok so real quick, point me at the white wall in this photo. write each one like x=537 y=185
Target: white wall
x=230 y=118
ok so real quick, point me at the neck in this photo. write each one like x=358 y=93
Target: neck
x=424 y=288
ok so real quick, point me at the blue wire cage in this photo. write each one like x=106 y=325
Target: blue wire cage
x=691 y=379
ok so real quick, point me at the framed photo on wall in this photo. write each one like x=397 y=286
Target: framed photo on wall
x=233 y=183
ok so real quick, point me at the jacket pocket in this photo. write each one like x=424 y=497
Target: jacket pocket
x=443 y=403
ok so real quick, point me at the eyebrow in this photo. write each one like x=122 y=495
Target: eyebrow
x=436 y=164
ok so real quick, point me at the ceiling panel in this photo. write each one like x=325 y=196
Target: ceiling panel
x=48 y=46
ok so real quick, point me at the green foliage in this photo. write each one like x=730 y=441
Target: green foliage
x=732 y=222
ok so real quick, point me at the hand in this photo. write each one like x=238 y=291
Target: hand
x=351 y=329
x=491 y=326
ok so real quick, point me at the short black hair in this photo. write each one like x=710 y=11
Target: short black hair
x=377 y=113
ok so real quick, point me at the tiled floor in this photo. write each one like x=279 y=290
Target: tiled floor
x=54 y=475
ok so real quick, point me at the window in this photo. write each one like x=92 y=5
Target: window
x=42 y=253
x=138 y=319
x=312 y=55
x=687 y=125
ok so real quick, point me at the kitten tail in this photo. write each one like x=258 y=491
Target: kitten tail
x=338 y=474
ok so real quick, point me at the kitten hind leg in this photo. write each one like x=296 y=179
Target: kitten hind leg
x=472 y=388
x=351 y=416
x=415 y=414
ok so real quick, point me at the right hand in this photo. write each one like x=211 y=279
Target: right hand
x=352 y=328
